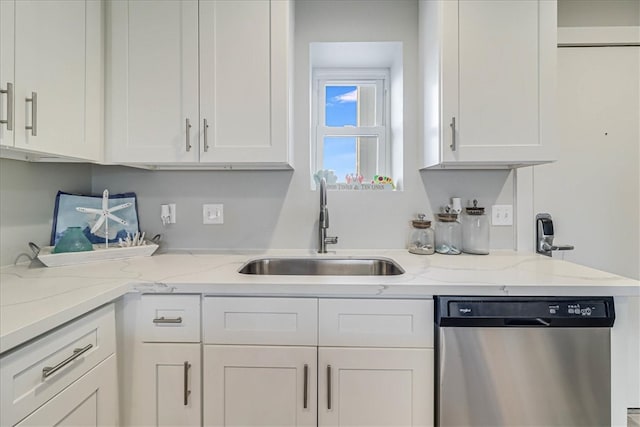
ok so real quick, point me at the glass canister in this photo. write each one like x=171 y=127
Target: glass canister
x=422 y=237
x=475 y=231
x=448 y=234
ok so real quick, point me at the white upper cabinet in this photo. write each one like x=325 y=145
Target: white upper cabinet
x=488 y=76
x=199 y=83
x=52 y=60
x=152 y=93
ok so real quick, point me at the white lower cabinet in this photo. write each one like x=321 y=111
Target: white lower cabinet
x=375 y=387
x=66 y=377
x=169 y=380
x=282 y=374
x=259 y=386
x=90 y=401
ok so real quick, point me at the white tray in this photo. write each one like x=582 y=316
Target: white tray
x=99 y=253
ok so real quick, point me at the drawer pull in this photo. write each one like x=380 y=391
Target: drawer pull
x=329 y=387
x=9 y=92
x=47 y=371
x=187 y=392
x=34 y=114
x=167 y=320
x=306 y=387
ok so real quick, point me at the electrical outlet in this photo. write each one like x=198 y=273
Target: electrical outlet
x=502 y=215
x=213 y=214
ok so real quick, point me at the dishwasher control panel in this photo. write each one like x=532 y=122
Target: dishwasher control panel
x=525 y=311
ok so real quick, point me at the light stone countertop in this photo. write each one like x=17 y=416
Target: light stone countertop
x=35 y=300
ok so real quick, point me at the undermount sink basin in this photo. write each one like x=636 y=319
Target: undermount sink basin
x=343 y=266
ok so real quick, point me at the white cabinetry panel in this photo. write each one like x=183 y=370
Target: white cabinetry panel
x=381 y=387
x=51 y=51
x=273 y=321
x=488 y=76
x=376 y=323
x=90 y=401
x=153 y=81
x=251 y=386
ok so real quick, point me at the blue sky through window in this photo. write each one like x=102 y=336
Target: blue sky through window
x=340 y=110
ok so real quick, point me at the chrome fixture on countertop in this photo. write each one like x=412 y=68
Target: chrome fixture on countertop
x=323 y=220
x=544 y=236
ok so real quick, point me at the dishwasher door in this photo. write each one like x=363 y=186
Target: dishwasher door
x=523 y=364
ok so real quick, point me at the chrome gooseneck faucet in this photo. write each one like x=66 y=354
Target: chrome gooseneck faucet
x=323 y=221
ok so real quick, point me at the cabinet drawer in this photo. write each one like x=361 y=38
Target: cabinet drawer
x=376 y=323
x=274 y=321
x=70 y=351
x=170 y=318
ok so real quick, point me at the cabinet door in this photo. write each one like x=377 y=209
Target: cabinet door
x=505 y=62
x=90 y=401
x=54 y=91
x=7 y=80
x=166 y=385
x=375 y=387
x=498 y=81
x=244 y=74
x=152 y=81
x=259 y=386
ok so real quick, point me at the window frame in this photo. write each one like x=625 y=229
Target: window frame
x=321 y=77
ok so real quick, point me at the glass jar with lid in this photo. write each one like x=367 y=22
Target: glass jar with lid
x=475 y=231
x=422 y=237
x=448 y=234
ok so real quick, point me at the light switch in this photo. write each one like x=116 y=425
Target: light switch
x=212 y=214
x=502 y=215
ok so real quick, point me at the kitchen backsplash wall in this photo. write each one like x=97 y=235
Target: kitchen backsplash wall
x=27 y=198
x=278 y=209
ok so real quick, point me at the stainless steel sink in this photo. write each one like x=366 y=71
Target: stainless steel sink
x=343 y=266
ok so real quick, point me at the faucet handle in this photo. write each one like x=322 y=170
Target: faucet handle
x=331 y=240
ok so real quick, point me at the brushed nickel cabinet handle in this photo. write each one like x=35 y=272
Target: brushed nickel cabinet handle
x=188 y=134
x=329 y=387
x=187 y=392
x=47 y=371
x=167 y=320
x=453 y=134
x=306 y=386
x=34 y=113
x=9 y=92
x=206 y=135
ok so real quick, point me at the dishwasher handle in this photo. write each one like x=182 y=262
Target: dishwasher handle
x=537 y=321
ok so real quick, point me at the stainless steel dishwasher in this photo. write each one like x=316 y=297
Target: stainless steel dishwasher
x=523 y=361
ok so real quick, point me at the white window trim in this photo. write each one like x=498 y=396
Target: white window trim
x=348 y=76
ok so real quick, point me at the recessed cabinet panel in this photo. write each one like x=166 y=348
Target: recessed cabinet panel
x=50 y=63
x=153 y=81
x=244 y=77
x=259 y=386
x=498 y=71
x=169 y=318
x=35 y=373
x=167 y=385
x=488 y=80
x=381 y=387
x=90 y=401
x=7 y=79
x=376 y=323
x=238 y=75
x=280 y=321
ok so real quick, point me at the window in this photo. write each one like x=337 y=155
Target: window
x=350 y=117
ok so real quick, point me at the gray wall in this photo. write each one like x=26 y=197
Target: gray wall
x=27 y=198
x=278 y=209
